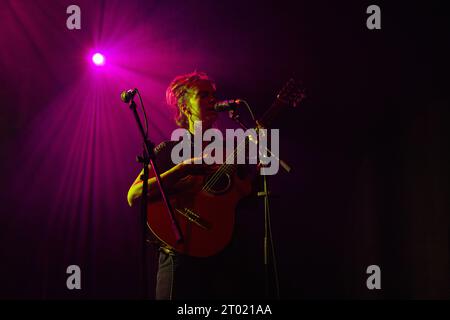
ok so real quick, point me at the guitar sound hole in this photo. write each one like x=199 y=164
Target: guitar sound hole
x=220 y=185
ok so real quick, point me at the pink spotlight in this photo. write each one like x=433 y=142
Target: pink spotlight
x=98 y=59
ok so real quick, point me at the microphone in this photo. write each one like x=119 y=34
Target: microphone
x=127 y=96
x=226 y=105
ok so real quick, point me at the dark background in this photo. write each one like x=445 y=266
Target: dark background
x=369 y=148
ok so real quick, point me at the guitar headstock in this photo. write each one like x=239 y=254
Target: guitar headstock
x=292 y=93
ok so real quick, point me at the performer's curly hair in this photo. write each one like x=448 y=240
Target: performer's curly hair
x=176 y=93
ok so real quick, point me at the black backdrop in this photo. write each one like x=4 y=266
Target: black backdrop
x=369 y=148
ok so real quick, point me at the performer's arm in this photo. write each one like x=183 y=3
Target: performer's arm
x=169 y=178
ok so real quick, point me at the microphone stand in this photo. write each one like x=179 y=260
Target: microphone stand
x=264 y=193
x=147 y=158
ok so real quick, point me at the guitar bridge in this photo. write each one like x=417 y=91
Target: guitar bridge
x=194 y=218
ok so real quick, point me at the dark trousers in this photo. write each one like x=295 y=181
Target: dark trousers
x=223 y=276
x=182 y=277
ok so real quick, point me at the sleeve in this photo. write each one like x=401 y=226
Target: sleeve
x=163 y=159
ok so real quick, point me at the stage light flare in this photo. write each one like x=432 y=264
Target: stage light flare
x=98 y=59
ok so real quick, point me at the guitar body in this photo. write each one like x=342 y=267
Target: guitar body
x=206 y=218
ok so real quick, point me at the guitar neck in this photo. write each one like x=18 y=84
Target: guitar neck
x=290 y=95
x=271 y=113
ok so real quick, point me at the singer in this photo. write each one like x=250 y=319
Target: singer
x=204 y=207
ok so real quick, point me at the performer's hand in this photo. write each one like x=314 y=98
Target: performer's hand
x=191 y=168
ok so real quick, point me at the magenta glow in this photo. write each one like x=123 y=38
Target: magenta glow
x=98 y=59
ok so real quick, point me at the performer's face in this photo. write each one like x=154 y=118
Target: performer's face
x=200 y=104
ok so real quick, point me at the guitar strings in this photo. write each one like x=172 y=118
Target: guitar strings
x=223 y=168
x=214 y=178
x=217 y=175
